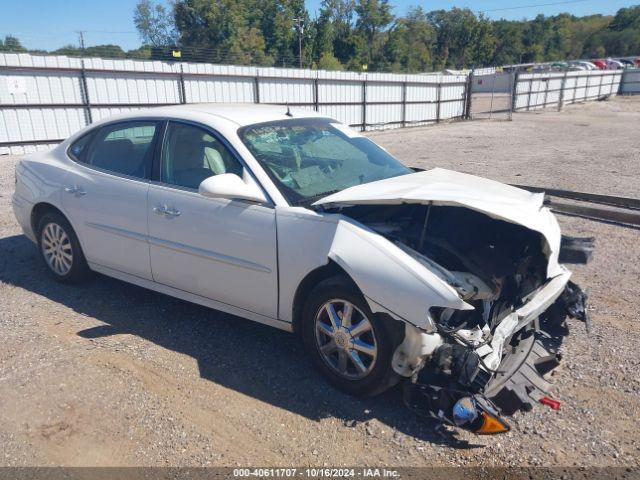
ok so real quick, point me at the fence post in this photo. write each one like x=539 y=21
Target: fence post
x=183 y=95
x=530 y=92
x=621 y=89
x=600 y=87
x=561 y=95
x=438 y=101
x=256 y=88
x=364 y=105
x=467 y=92
x=514 y=93
x=546 y=92
x=586 y=88
x=404 y=104
x=84 y=94
x=316 y=92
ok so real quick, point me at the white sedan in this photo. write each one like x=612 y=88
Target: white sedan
x=296 y=221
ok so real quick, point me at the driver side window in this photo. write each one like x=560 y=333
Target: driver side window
x=190 y=155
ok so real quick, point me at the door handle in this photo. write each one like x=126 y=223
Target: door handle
x=172 y=212
x=166 y=211
x=160 y=209
x=75 y=190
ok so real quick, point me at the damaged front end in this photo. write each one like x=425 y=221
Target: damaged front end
x=482 y=290
x=469 y=367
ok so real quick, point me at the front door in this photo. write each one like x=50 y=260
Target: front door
x=221 y=249
x=105 y=195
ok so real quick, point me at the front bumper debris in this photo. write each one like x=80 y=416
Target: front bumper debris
x=522 y=378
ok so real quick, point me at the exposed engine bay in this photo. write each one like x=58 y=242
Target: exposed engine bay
x=477 y=364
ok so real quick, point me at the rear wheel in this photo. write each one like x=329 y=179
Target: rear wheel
x=351 y=345
x=60 y=249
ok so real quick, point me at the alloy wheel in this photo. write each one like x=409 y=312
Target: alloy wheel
x=56 y=248
x=345 y=339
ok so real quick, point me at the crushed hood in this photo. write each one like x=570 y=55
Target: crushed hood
x=446 y=187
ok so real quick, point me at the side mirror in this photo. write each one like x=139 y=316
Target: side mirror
x=232 y=187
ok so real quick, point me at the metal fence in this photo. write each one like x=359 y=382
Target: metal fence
x=491 y=95
x=533 y=91
x=44 y=99
x=630 y=83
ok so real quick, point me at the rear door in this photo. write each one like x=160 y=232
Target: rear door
x=221 y=249
x=105 y=195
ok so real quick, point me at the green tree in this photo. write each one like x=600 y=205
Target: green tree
x=457 y=30
x=101 y=51
x=11 y=44
x=509 y=48
x=329 y=62
x=483 y=42
x=374 y=17
x=280 y=22
x=352 y=33
x=155 y=23
x=142 y=53
x=218 y=31
x=334 y=30
x=410 y=43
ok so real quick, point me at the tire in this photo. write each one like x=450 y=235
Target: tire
x=384 y=335
x=66 y=263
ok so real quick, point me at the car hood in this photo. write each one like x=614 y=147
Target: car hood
x=446 y=187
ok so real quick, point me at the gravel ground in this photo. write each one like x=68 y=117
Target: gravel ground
x=110 y=374
x=592 y=147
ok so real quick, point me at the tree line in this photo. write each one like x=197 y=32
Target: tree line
x=362 y=35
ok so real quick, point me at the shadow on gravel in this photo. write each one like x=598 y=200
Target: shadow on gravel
x=256 y=360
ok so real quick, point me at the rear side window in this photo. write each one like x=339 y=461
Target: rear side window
x=124 y=148
x=78 y=149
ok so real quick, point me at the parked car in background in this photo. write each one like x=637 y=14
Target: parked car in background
x=298 y=222
x=626 y=62
x=613 y=64
x=601 y=64
x=585 y=65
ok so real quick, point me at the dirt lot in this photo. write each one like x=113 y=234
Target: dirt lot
x=111 y=374
x=592 y=147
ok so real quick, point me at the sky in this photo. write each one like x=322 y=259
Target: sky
x=47 y=24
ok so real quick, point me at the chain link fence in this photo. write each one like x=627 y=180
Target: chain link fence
x=491 y=94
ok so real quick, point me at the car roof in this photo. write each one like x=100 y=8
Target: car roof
x=239 y=113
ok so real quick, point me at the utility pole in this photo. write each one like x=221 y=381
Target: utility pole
x=300 y=27
x=81 y=38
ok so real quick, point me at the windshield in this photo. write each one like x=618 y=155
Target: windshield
x=311 y=158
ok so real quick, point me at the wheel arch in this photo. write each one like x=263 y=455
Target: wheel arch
x=330 y=269
x=39 y=210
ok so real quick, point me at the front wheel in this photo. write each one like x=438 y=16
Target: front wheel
x=351 y=345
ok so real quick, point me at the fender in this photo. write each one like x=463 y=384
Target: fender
x=391 y=280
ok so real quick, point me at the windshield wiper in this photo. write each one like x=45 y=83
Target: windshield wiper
x=317 y=196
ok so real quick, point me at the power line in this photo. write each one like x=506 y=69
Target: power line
x=110 y=32
x=532 y=6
